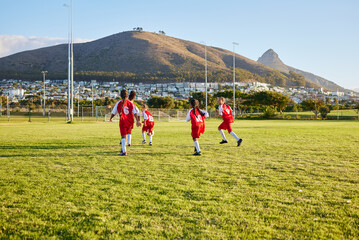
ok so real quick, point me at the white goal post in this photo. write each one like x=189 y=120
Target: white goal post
x=103 y=113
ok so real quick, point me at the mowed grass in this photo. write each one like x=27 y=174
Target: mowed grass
x=288 y=180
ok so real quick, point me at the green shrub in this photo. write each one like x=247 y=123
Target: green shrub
x=269 y=112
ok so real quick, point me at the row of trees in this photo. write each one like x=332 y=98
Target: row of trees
x=267 y=102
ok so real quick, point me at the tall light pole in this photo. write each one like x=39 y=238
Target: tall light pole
x=70 y=72
x=72 y=69
x=205 y=67
x=234 y=80
x=44 y=95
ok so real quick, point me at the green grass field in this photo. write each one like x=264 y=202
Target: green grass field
x=288 y=180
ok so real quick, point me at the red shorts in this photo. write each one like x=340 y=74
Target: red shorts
x=226 y=126
x=148 y=128
x=125 y=128
x=197 y=131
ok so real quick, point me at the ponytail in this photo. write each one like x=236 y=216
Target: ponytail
x=195 y=105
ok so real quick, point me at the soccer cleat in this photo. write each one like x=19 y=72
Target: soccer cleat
x=197 y=154
x=223 y=141
x=144 y=141
x=123 y=154
x=239 y=142
x=150 y=144
x=129 y=145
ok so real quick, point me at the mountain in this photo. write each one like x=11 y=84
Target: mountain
x=141 y=56
x=271 y=59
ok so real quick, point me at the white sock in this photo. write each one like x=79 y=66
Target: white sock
x=234 y=135
x=223 y=136
x=129 y=138
x=123 y=144
x=144 y=136
x=196 y=144
x=150 y=137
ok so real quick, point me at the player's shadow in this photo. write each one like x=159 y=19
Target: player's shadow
x=17 y=155
x=44 y=147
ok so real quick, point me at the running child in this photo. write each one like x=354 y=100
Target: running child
x=127 y=112
x=226 y=112
x=137 y=116
x=148 y=124
x=196 y=116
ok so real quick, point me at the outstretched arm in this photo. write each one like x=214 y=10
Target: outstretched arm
x=112 y=115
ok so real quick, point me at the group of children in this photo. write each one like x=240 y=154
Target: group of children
x=128 y=113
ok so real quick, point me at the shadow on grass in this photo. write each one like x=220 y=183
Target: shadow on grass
x=18 y=155
x=44 y=147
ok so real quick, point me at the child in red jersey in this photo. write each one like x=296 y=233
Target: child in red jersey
x=127 y=112
x=148 y=124
x=196 y=116
x=137 y=116
x=226 y=112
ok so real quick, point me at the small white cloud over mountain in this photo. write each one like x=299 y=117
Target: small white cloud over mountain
x=10 y=44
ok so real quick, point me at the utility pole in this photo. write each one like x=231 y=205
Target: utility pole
x=44 y=95
x=234 y=80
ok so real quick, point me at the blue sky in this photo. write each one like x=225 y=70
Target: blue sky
x=318 y=36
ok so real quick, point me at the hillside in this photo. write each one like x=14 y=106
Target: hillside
x=271 y=59
x=136 y=56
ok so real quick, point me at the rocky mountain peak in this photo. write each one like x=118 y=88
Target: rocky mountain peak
x=270 y=58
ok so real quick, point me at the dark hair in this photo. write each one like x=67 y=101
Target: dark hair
x=195 y=104
x=132 y=95
x=124 y=94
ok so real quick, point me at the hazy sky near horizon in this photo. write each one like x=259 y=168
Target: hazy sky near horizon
x=318 y=36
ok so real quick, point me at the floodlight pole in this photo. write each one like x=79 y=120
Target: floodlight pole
x=72 y=69
x=69 y=64
x=44 y=95
x=234 y=80
x=70 y=72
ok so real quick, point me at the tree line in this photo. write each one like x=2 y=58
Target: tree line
x=267 y=102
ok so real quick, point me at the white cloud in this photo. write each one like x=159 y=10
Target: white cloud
x=10 y=44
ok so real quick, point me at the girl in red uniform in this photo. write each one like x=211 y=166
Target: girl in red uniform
x=127 y=113
x=226 y=112
x=148 y=124
x=137 y=116
x=196 y=116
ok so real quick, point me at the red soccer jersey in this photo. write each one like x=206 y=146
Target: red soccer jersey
x=197 y=122
x=125 y=110
x=227 y=113
x=149 y=120
x=150 y=123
